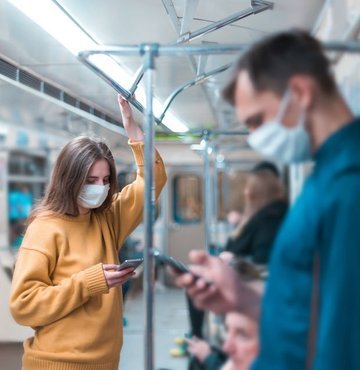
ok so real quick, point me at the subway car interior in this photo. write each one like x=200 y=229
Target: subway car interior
x=62 y=65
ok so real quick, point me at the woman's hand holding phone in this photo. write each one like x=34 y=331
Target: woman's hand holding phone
x=115 y=277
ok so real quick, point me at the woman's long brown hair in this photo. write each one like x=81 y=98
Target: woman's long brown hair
x=69 y=175
x=265 y=188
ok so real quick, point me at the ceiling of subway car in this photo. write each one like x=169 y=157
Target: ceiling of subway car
x=115 y=22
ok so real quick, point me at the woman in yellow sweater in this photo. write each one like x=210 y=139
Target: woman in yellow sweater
x=65 y=285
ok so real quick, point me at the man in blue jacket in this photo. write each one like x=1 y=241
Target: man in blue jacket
x=284 y=92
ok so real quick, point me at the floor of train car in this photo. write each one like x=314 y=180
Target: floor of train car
x=171 y=320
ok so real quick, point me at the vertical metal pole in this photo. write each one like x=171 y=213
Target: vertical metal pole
x=149 y=206
x=215 y=216
x=207 y=191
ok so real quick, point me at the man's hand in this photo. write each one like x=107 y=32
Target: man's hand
x=132 y=129
x=216 y=286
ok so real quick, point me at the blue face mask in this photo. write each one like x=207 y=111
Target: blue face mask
x=282 y=144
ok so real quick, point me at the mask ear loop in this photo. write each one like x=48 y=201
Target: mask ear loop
x=283 y=105
x=302 y=119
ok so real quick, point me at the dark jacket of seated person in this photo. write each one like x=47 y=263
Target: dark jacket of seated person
x=264 y=211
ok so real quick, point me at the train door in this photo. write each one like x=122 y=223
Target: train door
x=185 y=221
x=184 y=217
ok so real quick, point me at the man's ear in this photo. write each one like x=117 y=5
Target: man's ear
x=304 y=89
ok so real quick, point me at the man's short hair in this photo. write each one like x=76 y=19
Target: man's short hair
x=272 y=61
x=266 y=166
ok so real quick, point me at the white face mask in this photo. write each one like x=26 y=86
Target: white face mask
x=93 y=196
x=283 y=144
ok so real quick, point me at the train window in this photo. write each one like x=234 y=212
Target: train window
x=187 y=196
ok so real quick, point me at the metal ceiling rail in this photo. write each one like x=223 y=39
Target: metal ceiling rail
x=139 y=75
x=184 y=26
x=211 y=133
x=256 y=7
x=127 y=94
x=347 y=46
x=343 y=46
x=181 y=27
x=196 y=81
x=190 y=9
x=176 y=50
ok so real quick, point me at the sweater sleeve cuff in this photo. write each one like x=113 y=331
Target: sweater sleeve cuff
x=95 y=280
x=138 y=149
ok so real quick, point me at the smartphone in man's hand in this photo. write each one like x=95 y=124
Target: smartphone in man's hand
x=178 y=266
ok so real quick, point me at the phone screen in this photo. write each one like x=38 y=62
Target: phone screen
x=178 y=266
x=131 y=263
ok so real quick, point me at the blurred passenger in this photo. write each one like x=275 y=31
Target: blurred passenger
x=20 y=202
x=204 y=356
x=241 y=341
x=191 y=209
x=20 y=205
x=264 y=211
x=234 y=217
x=66 y=284
x=265 y=208
x=285 y=93
x=240 y=345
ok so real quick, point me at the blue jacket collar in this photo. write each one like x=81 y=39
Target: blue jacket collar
x=341 y=149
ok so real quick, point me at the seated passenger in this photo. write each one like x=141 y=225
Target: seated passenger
x=240 y=345
x=205 y=356
x=241 y=342
x=265 y=208
x=239 y=349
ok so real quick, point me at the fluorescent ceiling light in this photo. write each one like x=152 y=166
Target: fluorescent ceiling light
x=54 y=21
x=174 y=124
x=112 y=69
x=170 y=120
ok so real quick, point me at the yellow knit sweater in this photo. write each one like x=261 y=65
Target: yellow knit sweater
x=59 y=287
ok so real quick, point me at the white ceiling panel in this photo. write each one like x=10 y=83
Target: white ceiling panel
x=133 y=22
x=25 y=42
x=123 y=22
